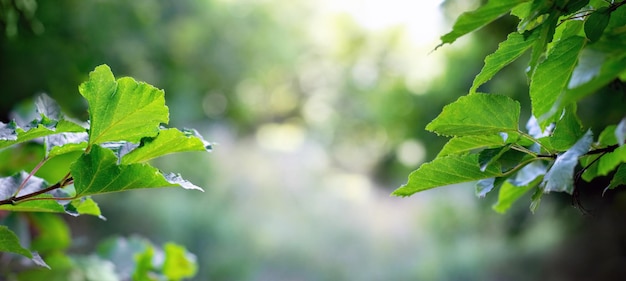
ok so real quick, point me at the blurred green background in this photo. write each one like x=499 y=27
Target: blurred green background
x=317 y=110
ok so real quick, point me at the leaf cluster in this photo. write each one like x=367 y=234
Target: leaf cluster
x=110 y=152
x=576 y=48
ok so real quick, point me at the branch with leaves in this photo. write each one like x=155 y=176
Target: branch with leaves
x=576 y=48
x=125 y=130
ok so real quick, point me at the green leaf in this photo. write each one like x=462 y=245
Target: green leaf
x=560 y=177
x=50 y=205
x=179 y=263
x=477 y=114
x=10 y=243
x=609 y=161
x=591 y=79
x=122 y=110
x=469 y=21
x=546 y=30
x=596 y=23
x=143 y=265
x=551 y=77
x=97 y=172
x=65 y=143
x=489 y=156
x=567 y=130
x=467 y=144
x=618 y=179
x=84 y=206
x=11 y=133
x=166 y=142
x=512 y=190
x=508 y=51
x=446 y=171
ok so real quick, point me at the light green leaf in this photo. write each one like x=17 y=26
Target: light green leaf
x=10 y=243
x=560 y=177
x=609 y=161
x=446 y=171
x=122 y=110
x=47 y=205
x=166 y=142
x=477 y=114
x=473 y=143
x=469 y=21
x=179 y=263
x=567 y=130
x=551 y=77
x=536 y=199
x=510 y=193
x=97 y=172
x=508 y=51
x=53 y=234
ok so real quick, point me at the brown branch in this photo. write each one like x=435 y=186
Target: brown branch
x=15 y=200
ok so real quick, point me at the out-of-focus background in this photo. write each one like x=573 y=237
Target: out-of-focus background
x=317 y=110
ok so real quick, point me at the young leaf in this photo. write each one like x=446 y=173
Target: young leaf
x=560 y=177
x=166 y=142
x=477 y=114
x=97 y=172
x=596 y=23
x=10 y=243
x=446 y=171
x=122 y=110
x=485 y=14
x=551 y=77
x=508 y=51
x=179 y=263
x=466 y=144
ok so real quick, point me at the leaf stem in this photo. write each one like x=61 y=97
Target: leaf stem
x=531 y=138
x=32 y=172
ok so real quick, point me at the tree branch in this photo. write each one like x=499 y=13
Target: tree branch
x=15 y=200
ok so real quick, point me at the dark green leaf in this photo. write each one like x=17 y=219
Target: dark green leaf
x=596 y=23
x=477 y=114
x=10 y=243
x=560 y=177
x=568 y=129
x=166 y=142
x=485 y=14
x=546 y=31
x=575 y=5
x=97 y=172
x=122 y=110
x=508 y=51
x=446 y=171
x=489 y=156
x=466 y=144
x=551 y=77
